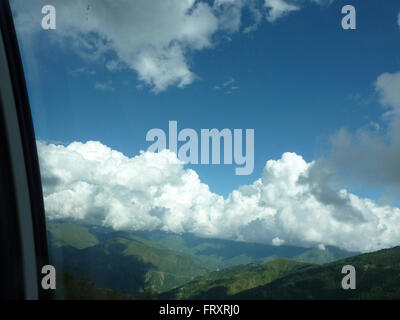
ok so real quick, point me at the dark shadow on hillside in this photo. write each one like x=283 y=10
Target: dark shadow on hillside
x=70 y=287
x=105 y=265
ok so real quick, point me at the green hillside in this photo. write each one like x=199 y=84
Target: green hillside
x=71 y=234
x=118 y=260
x=225 y=283
x=378 y=277
x=147 y=264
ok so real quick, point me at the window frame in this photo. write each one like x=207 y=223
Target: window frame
x=25 y=251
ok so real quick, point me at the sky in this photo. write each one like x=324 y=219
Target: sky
x=324 y=104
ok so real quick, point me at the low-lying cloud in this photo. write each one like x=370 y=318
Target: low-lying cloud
x=290 y=203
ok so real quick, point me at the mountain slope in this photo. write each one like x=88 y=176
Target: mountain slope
x=377 y=277
x=118 y=260
x=158 y=262
x=71 y=234
x=227 y=282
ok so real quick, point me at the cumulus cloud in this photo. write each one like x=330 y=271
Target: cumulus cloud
x=154 y=38
x=150 y=37
x=92 y=183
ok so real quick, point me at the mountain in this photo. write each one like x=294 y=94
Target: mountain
x=218 y=253
x=118 y=260
x=377 y=277
x=150 y=263
x=225 y=283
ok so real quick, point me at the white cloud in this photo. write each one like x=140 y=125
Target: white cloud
x=228 y=86
x=279 y=8
x=257 y=15
x=154 y=38
x=92 y=183
x=229 y=13
x=82 y=70
x=277 y=242
x=150 y=37
x=104 y=86
x=228 y=82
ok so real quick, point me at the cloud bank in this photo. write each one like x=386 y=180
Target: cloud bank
x=290 y=204
x=154 y=38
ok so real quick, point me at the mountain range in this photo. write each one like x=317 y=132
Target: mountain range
x=122 y=264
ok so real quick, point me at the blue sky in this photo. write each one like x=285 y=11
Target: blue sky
x=299 y=79
x=324 y=103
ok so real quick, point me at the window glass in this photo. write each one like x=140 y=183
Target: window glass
x=217 y=148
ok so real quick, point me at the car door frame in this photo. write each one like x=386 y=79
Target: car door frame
x=25 y=250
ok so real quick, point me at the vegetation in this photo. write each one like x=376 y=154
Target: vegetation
x=225 y=283
x=106 y=264
x=121 y=261
x=377 y=277
x=70 y=234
